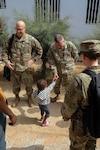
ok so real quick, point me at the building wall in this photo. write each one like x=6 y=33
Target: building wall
x=76 y=9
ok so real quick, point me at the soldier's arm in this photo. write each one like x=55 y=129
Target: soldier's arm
x=5 y=51
x=74 y=50
x=36 y=50
x=51 y=61
x=71 y=100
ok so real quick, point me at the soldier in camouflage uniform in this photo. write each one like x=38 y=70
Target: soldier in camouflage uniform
x=61 y=58
x=25 y=50
x=76 y=98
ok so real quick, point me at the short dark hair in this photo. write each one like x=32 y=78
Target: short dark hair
x=58 y=38
x=91 y=55
x=41 y=84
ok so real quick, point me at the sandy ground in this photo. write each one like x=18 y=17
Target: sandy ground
x=27 y=118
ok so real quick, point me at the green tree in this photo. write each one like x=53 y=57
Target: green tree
x=44 y=31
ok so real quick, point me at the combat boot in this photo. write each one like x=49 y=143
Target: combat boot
x=55 y=98
x=30 y=101
x=16 y=101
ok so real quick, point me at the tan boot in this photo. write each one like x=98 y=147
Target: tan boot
x=16 y=101
x=30 y=101
x=55 y=98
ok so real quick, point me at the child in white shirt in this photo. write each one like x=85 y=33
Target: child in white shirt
x=42 y=93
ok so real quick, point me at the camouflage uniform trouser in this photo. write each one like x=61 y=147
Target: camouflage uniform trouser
x=63 y=80
x=25 y=77
x=80 y=141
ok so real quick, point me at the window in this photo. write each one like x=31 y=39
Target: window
x=47 y=10
x=93 y=11
x=2 y=4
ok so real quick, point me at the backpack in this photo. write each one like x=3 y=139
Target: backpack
x=92 y=112
x=6 y=71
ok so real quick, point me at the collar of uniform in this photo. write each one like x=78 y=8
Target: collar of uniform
x=65 y=46
x=94 y=67
x=21 y=39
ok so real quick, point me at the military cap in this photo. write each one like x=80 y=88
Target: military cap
x=90 y=46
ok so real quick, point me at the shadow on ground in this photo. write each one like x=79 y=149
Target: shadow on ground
x=30 y=115
x=34 y=147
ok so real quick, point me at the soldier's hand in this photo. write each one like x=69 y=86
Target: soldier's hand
x=10 y=65
x=63 y=113
x=30 y=63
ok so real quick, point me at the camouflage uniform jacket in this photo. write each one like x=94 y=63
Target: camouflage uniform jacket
x=62 y=60
x=76 y=98
x=22 y=50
